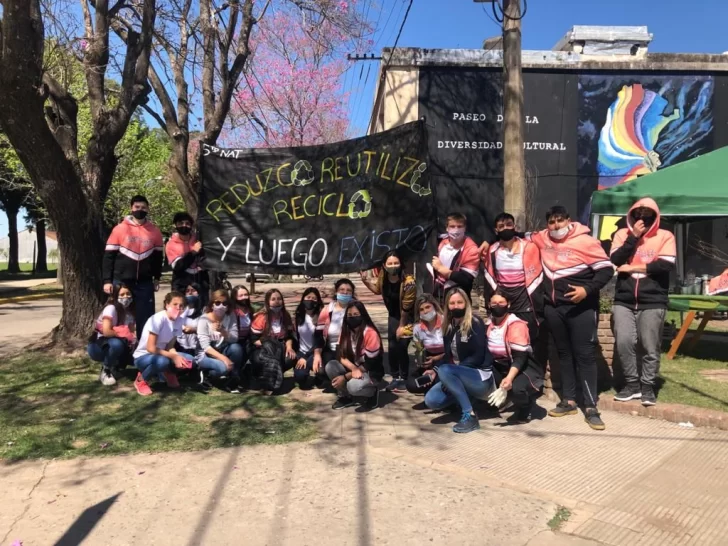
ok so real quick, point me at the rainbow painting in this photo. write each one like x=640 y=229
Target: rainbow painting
x=627 y=141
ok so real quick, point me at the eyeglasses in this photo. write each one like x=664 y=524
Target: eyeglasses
x=218 y=302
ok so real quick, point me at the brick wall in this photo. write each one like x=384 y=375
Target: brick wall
x=606 y=338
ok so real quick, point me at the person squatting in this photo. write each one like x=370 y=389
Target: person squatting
x=538 y=284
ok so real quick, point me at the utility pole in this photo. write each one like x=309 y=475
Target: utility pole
x=514 y=172
x=514 y=169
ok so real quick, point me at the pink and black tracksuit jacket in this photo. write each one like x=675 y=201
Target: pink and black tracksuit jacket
x=133 y=252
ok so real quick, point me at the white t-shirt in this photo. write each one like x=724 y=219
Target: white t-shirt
x=165 y=329
x=305 y=334
x=447 y=254
x=189 y=341
x=337 y=321
x=110 y=312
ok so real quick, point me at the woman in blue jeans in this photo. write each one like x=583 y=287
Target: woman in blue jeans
x=113 y=335
x=217 y=333
x=466 y=373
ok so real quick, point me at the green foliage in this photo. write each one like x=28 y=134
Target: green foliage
x=143 y=156
x=57 y=408
x=562 y=516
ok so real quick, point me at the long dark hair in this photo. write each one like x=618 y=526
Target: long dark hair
x=121 y=311
x=197 y=309
x=286 y=321
x=346 y=346
x=301 y=309
x=234 y=297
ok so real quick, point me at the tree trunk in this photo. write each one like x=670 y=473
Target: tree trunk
x=185 y=182
x=13 y=265
x=41 y=261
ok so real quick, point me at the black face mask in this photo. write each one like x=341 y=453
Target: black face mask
x=139 y=214
x=309 y=305
x=506 y=234
x=354 y=322
x=457 y=313
x=245 y=302
x=184 y=230
x=498 y=311
x=649 y=221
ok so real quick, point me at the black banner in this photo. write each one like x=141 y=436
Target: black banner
x=336 y=208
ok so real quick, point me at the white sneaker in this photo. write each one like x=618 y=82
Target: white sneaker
x=106 y=378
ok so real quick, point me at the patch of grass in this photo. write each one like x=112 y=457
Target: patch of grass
x=674 y=316
x=51 y=407
x=561 y=516
x=26 y=272
x=682 y=382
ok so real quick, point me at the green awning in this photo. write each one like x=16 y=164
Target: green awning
x=697 y=187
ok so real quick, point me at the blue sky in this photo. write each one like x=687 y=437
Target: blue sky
x=677 y=26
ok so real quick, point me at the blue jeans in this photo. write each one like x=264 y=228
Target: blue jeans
x=151 y=365
x=143 y=293
x=458 y=384
x=109 y=352
x=217 y=368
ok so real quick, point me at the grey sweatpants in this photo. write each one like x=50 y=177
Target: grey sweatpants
x=641 y=330
x=364 y=386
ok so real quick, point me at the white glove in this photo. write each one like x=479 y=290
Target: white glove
x=497 y=397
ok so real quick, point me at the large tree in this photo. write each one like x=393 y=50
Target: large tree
x=14 y=192
x=39 y=115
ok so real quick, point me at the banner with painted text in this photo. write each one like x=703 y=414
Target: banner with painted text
x=335 y=208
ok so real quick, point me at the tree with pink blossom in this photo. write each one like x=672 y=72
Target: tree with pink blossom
x=292 y=93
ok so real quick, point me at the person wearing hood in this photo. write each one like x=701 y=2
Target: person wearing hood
x=458 y=259
x=183 y=255
x=575 y=269
x=133 y=256
x=644 y=255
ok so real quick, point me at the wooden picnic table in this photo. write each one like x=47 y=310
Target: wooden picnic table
x=692 y=304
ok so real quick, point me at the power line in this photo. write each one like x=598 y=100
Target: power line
x=383 y=77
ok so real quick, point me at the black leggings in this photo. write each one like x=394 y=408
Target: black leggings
x=398 y=357
x=575 y=333
x=523 y=393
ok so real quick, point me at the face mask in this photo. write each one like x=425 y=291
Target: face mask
x=343 y=299
x=125 y=302
x=498 y=311
x=139 y=214
x=427 y=317
x=219 y=310
x=649 y=221
x=244 y=302
x=192 y=301
x=457 y=313
x=354 y=322
x=173 y=312
x=506 y=234
x=309 y=305
x=455 y=234
x=559 y=233
x=184 y=230
x=393 y=270
x=276 y=308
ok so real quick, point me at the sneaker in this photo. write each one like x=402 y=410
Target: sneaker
x=203 y=382
x=107 y=377
x=371 y=402
x=523 y=415
x=397 y=385
x=172 y=380
x=141 y=386
x=592 y=418
x=648 y=396
x=468 y=423
x=562 y=409
x=233 y=386
x=630 y=392
x=343 y=402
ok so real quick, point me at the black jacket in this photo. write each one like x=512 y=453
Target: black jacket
x=472 y=350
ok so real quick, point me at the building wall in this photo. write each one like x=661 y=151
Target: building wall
x=400 y=99
x=26 y=240
x=586 y=129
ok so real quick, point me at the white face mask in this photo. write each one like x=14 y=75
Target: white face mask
x=559 y=233
x=427 y=317
x=455 y=234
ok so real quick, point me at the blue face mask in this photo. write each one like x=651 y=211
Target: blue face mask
x=343 y=299
x=192 y=301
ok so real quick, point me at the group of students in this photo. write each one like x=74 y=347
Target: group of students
x=538 y=283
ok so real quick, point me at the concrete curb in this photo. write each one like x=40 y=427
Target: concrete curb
x=674 y=413
x=30 y=297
